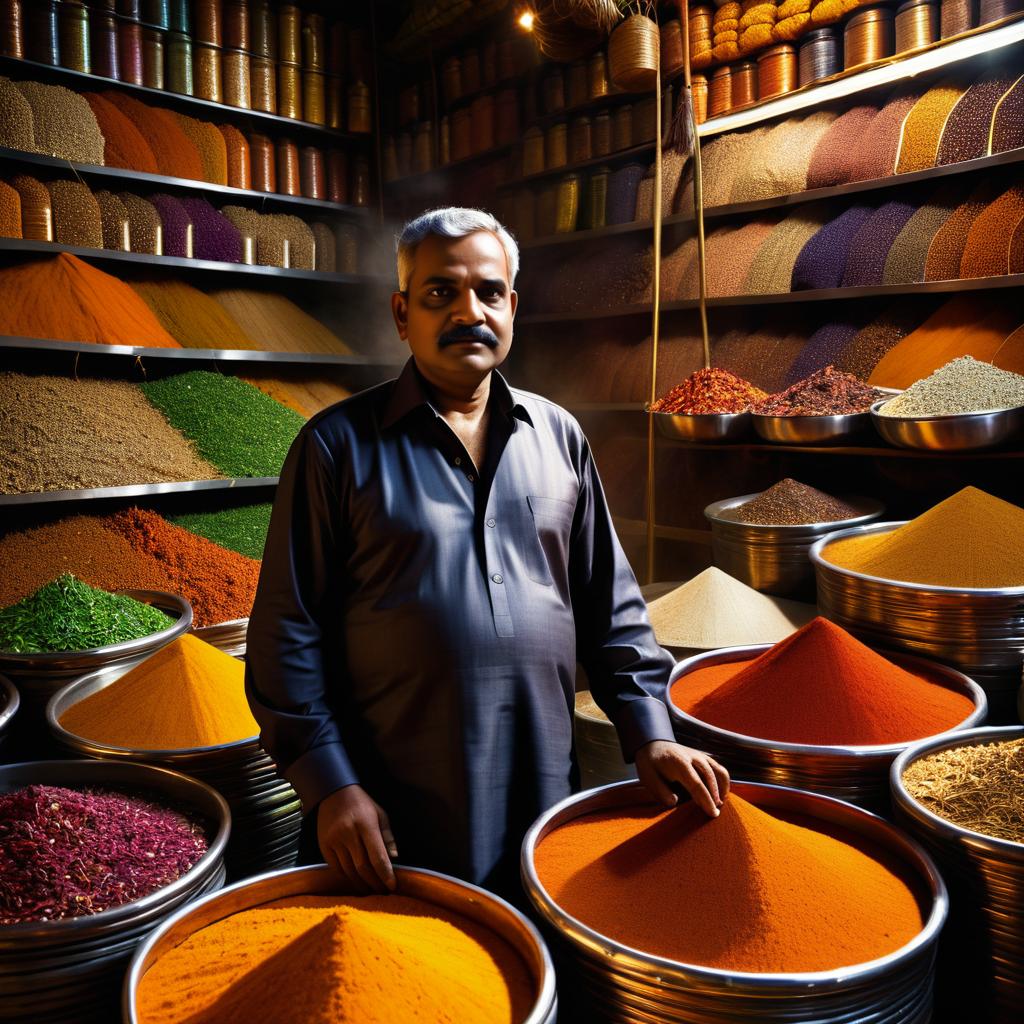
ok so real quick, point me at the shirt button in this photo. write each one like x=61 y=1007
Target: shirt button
x=458 y=460
x=490 y=522
x=470 y=477
x=497 y=577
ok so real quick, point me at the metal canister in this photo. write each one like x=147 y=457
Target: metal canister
x=359 y=118
x=263 y=159
x=622 y=127
x=720 y=92
x=262 y=29
x=580 y=140
x=917 y=24
x=957 y=17
x=289 y=34
x=462 y=134
x=289 y=90
x=601 y=134
x=359 y=194
x=597 y=76
x=237 y=84
x=554 y=91
x=777 y=72
x=313 y=172
x=547 y=209
x=73 y=34
x=597 y=197
x=263 y=84
x=576 y=84
x=423 y=155
x=868 y=36
x=506 y=117
x=556 y=146
x=568 y=204
x=996 y=10
x=103 y=37
x=208 y=72
x=470 y=72
x=209 y=22
x=157 y=13
x=179 y=16
x=236 y=25
x=533 y=151
x=130 y=9
x=337 y=176
x=672 y=46
x=153 y=58
x=335 y=102
x=12 y=29
x=819 y=55
x=451 y=79
x=314 y=42
x=179 y=64
x=481 y=116
x=239 y=161
x=129 y=51
x=289 y=177
x=337 y=38
x=314 y=97
x=699 y=92
x=41 y=32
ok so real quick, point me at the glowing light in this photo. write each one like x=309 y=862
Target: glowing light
x=526 y=20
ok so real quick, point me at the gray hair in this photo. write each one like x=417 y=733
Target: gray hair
x=452 y=222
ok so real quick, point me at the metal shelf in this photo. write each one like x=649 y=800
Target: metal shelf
x=865 y=451
x=120 y=177
x=20 y=245
x=79 y=81
x=134 y=491
x=618 y=156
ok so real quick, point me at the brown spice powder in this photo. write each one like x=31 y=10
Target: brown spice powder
x=211 y=147
x=965 y=136
x=863 y=353
x=729 y=261
x=76 y=214
x=191 y=316
x=144 y=226
x=16 y=131
x=909 y=252
x=114 y=215
x=63 y=123
x=987 y=251
x=10 y=211
x=947 y=247
x=922 y=129
x=832 y=161
x=879 y=147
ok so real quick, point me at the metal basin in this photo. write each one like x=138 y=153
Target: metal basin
x=810 y=429
x=961 y=432
x=774 y=559
x=706 y=427
x=981 y=956
x=858 y=774
x=620 y=984
x=482 y=907
x=69 y=972
x=228 y=637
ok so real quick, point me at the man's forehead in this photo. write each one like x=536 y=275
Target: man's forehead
x=478 y=254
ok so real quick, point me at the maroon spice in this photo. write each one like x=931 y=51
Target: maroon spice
x=829 y=392
x=710 y=391
x=76 y=852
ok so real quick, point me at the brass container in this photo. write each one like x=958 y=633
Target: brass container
x=506 y=117
x=818 y=56
x=12 y=29
x=129 y=9
x=423 y=155
x=533 y=152
x=576 y=83
x=568 y=204
x=957 y=17
x=777 y=71
x=157 y=13
x=996 y=10
x=868 y=36
x=743 y=84
x=314 y=97
x=263 y=160
x=239 y=163
x=601 y=134
x=462 y=134
x=597 y=199
x=554 y=91
x=645 y=120
x=699 y=91
x=180 y=64
x=179 y=16
x=335 y=102
x=209 y=24
x=237 y=84
x=73 y=36
x=359 y=193
x=289 y=90
x=917 y=24
x=129 y=52
x=672 y=43
x=41 y=31
x=289 y=34
x=470 y=72
x=337 y=176
x=236 y=25
x=208 y=72
x=622 y=128
x=359 y=115
x=314 y=42
x=451 y=79
x=153 y=58
x=581 y=146
x=597 y=76
x=262 y=29
x=103 y=36
x=481 y=116
x=263 y=84
x=289 y=180
x=720 y=92
x=556 y=146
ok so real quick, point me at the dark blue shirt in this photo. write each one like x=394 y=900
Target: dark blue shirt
x=416 y=628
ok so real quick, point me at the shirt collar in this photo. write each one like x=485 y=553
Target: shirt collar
x=410 y=392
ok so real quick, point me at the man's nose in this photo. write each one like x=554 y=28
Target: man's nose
x=467 y=308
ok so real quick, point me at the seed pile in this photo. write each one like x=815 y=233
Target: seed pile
x=832 y=161
x=77 y=219
x=63 y=123
x=980 y=788
x=232 y=424
x=775 y=162
x=242 y=529
x=965 y=136
x=300 y=390
x=905 y=261
x=870 y=344
x=709 y=391
x=36 y=212
x=829 y=392
x=16 y=130
x=214 y=236
x=822 y=261
x=947 y=246
x=174 y=152
x=69 y=615
x=123 y=143
x=962 y=386
x=791 y=503
x=923 y=126
x=878 y=149
x=114 y=220
x=10 y=211
x=326 y=248
x=178 y=232
x=67 y=853
x=771 y=270
x=869 y=249
x=276 y=324
x=144 y=225
x=1008 y=121
x=210 y=145
x=192 y=317
x=822 y=349
x=987 y=248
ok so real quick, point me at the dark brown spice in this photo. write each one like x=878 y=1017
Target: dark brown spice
x=829 y=392
x=791 y=503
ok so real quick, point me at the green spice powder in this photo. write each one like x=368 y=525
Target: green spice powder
x=242 y=529
x=69 y=615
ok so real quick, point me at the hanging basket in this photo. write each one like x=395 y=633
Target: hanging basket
x=633 y=52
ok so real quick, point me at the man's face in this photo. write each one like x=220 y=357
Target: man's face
x=457 y=313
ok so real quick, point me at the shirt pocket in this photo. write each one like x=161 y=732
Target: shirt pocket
x=552 y=522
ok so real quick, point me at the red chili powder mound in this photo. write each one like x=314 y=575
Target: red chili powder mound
x=176 y=155
x=123 y=143
x=823 y=687
x=220 y=584
x=746 y=891
x=711 y=390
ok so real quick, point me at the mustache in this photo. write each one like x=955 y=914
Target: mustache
x=477 y=332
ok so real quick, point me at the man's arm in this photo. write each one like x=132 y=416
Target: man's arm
x=627 y=668
x=293 y=631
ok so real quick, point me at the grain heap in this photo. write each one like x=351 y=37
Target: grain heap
x=834 y=157
x=771 y=270
x=174 y=152
x=10 y=211
x=214 y=236
x=63 y=124
x=822 y=261
x=822 y=349
x=144 y=225
x=186 y=696
x=123 y=143
x=933 y=548
x=380 y=959
x=16 y=130
x=791 y=503
x=715 y=610
x=945 y=253
x=115 y=221
x=744 y=891
x=192 y=317
x=987 y=247
x=923 y=126
x=300 y=390
x=878 y=149
x=709 y=391
x=76 y=215
x=870 y=344
x=869 y=249
x=242 y=529
x=178 y=230
x=1008 y=120
x=210 y=145
x=828 y=392
x=961 y=386
x=908 y=254
x=966 y=132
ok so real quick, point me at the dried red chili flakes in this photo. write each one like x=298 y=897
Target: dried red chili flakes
x=829 y=392
x=710 y=391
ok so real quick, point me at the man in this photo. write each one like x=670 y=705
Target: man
x=440 y=555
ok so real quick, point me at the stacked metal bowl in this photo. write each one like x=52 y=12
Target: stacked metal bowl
x=703 y=428
x=597 y=746
x=228 y=637
x=265 y=811
x=774 y=559
x=9 y=701
x=70 y=971
x=857 y=774
x=978 y=631
x=620 y=984
x=485 y=909
x=983 y=947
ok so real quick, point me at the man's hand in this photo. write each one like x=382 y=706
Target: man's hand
x=355 y=839
x=660 y=763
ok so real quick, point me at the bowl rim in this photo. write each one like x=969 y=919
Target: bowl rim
x=698 y=415
x=950 y=417
x=712 y=513
x=12 y=701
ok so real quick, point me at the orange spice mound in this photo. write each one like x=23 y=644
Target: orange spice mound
x=338 y=960
x=821 y=686
x=746 y=891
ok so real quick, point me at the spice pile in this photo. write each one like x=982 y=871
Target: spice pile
x=715 y=610
x=821 y=686
x=709 y=391
x=242 y=529
x=379 y=960
x=746 y=891
x=68 y=853
x=185 y=696
x=829 y=392
x=969 y=540
x=791 y=503
x=980 y=787
x=964 y=385
x=69 y=615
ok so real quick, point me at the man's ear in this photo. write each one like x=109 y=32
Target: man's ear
x=400 y=311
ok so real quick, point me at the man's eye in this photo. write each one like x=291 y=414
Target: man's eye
x=438 y=293
x=491 y=293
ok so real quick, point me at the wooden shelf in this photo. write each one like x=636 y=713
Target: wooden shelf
x=436 y=176
x=638 y=528
x=135 y=491
x=603 y=407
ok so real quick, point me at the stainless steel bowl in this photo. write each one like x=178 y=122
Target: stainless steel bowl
x=9 y=701
x=961 y=432
x=229 y=637
x=623 y=984
x=978 y=631
x=707 y=427
x=859 y=774
x=481 y=907
x=69 y=972
x=774 y=559
x=810 y=429
x=981 y=957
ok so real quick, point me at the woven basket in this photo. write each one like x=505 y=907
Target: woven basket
x=633 y=52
